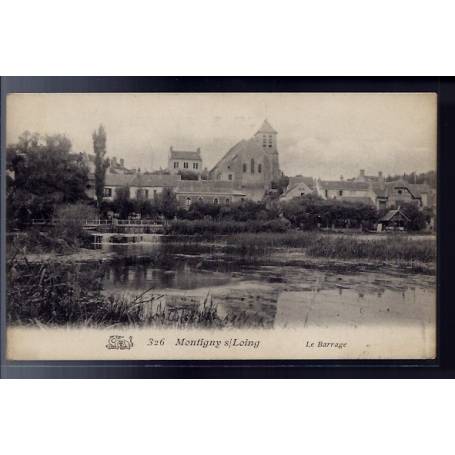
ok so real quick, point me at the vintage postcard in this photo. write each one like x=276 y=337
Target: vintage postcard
x=208 y=226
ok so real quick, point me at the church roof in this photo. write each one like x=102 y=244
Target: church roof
x=266 y=128
x=243 y=145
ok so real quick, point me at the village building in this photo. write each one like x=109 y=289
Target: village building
x=393 y=220
x=181 y=160
x=207 y=191
x=346 y=190
x=375 y=191
x=140 y=186
x=299 y=186
x=251 y=164
x=150 y=186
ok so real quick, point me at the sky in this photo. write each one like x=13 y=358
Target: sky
x=321 y=135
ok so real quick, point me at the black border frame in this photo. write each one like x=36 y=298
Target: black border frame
x=442 y=367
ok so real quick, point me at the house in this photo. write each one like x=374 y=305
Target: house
x=346 y=190
x=299 y=186
x=393 y=220
x=181 y=160
x=374 y=190
x=141 y=186
x=208 y=191
x=251 y=164
x=150 y=186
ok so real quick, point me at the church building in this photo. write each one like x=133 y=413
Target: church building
x=251 y=164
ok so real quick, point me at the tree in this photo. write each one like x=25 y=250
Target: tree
x=168 y=204
x=417 y=220
x=101 y=163
x=281 y=184
x=43 y=174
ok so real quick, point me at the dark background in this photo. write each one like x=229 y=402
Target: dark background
x=442 y=367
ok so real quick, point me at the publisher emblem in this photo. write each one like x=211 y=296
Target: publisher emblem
x=119 y=342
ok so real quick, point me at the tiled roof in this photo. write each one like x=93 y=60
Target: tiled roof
x=266 y=128
x=416 y=189
x=145 y=180
x=186 y=155
x=207 y=186
x=391 y=213
x=243 y=145
x=141 y=180
x=308 y=181
x=359 y=200
x=117 y=179
x=343 y=185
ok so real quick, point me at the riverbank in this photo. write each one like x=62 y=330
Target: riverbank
x=312 y=250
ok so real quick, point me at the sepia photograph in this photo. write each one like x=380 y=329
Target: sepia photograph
x=233 y=226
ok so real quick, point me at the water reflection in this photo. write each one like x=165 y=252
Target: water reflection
x=266 y=295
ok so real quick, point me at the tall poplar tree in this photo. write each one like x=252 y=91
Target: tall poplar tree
x=101 y=163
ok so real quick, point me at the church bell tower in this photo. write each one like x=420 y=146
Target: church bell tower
x=266 y=137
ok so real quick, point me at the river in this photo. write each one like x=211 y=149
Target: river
x=277 y=289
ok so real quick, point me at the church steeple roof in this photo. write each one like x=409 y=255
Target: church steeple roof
x=266 y=128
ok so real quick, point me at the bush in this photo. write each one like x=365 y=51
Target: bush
x=209 y=227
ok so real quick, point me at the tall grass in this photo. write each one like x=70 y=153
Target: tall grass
x=54 y=294
x=315 y=244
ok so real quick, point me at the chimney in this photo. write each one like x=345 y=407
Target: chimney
x=380 y=174
x=122 y=162
x=341 y=177
x=362 y=172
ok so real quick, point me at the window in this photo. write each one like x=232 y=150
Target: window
x=185 y=165
x=264 y=140
x=215 y=201
x=230 y=176
x=244 y=167
x=188 y=201
x=146 y=194
x=176 y=164
x=252 y=166
x=228 y=201
x=270 y=141
x=326 y=194
x=107 y=192
x=400 y=192
x=218 y=177
x=201 y=200
x=259 y=168
x=154 y=193
x=302 y=194
x=195 y=165
x=340 y=192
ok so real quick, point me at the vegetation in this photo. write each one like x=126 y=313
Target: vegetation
x=210 y=228
x=101 y=163
x=310 y=212
x=60 y=294
x=424 y=177
x=390 y=248
x=43 y=173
